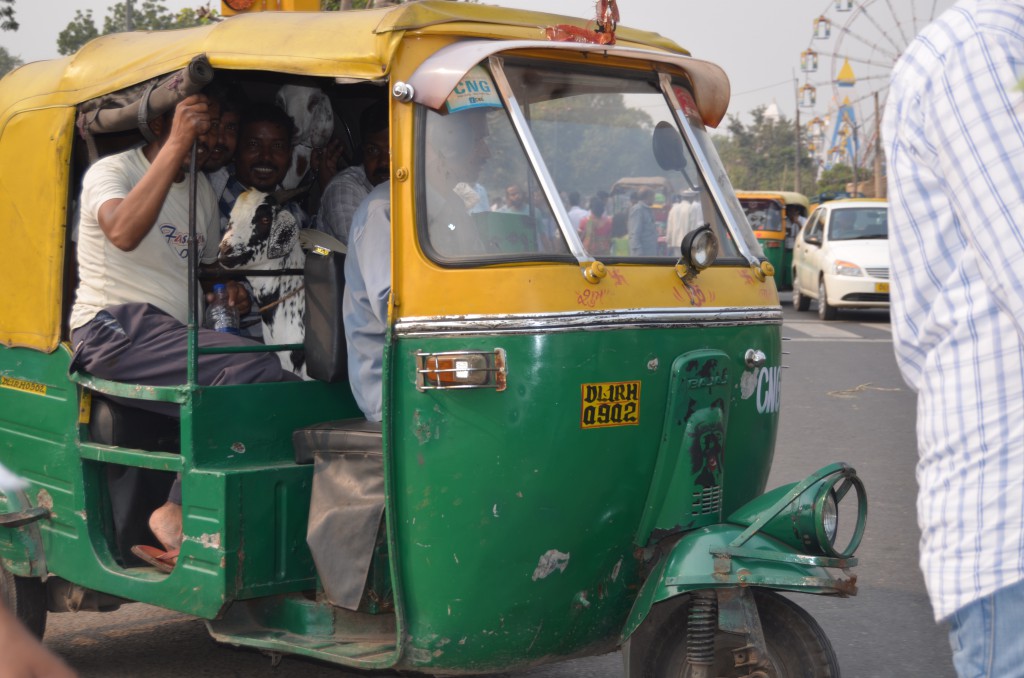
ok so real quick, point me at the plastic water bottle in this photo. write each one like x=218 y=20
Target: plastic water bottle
x=219 y=315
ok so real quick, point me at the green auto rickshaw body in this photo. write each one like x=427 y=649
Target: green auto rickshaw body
x=616 y=449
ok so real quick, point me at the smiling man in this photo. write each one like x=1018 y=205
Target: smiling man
x=262 y=158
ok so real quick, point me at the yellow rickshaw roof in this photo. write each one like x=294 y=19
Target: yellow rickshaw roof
x=355 y=44
x=787 y=197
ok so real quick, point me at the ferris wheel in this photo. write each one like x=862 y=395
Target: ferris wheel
x=846 y=66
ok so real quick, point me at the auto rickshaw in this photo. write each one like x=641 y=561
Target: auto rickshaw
x=771 y=216
x=574 y=452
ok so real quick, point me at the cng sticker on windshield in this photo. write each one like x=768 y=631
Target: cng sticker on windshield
x=475 y=90
x=611 y=403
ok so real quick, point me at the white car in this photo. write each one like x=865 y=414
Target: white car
x=841 y=257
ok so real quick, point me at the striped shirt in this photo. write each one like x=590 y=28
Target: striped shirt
x=954 y=135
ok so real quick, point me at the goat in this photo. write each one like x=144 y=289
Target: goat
x=262 y=236
x=311 y=111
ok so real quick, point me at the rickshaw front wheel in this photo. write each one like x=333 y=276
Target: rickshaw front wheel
x=796 y=645
x=26 y=597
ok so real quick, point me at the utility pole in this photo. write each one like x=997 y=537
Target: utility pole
x=853 y=162
x=879 y=184
x=796 y=163
x=129 y=19
x=796 y=160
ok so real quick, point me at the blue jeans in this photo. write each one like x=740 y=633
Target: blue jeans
x=986 y=635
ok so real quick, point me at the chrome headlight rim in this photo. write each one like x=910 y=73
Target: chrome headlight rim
x=700 y=248
x=829 y=493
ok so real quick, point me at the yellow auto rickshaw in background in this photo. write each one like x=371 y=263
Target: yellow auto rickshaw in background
x=776 y=217
x=574 y=449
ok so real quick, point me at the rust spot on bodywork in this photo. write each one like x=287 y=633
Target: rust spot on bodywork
x=44 y=499
x=421 y=429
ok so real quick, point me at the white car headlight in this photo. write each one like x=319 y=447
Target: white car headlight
x=840 y=267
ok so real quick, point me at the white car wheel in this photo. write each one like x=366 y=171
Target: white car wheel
x=801 y=302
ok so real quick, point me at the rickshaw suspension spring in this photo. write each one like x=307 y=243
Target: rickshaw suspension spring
x=701 y=628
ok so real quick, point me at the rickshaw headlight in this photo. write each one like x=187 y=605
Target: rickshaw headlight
x=830 y=518
x=817 y=510
x=699 y=248
x=806 y=515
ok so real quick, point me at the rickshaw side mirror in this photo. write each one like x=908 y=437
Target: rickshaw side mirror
x=668 y=147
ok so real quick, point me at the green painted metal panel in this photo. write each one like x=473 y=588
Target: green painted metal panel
x=245 y=500
x=514 y=525
x=686 y=490
x=691 y=566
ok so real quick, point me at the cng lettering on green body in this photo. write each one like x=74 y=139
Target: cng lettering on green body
x=615 y=403
x=769 y=390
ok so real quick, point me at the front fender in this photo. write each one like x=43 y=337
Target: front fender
x=703 y=559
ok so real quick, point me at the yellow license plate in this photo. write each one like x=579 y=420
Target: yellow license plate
x=614 y=403
x=882 y=287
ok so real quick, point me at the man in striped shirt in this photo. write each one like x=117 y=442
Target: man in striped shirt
x=954 y=135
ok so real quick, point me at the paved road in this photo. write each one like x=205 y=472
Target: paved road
x=842 y=400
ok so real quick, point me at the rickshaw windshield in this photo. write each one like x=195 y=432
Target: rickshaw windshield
x=763 y=215
x=593 y=133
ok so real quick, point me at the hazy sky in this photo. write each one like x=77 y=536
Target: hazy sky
x=757 y=42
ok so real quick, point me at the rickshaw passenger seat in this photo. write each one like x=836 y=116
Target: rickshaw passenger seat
x=324 y=342
x=346 y=505
x=114 y=423
x=344 y=435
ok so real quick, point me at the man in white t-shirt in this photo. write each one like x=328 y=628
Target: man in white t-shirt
x=576 y=213
x=129 y=320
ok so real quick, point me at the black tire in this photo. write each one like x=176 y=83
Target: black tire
x=26 y=597
x=826 y=311
x=796 y=645
x=801 y=302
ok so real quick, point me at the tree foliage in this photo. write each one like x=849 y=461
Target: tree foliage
x=760 y=156
x=149 y=15
x=81 y=30
x=836 y=178
x=8 y=62
x=7 y=20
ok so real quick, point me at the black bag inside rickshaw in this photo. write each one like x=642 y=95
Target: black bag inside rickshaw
x=324 y=342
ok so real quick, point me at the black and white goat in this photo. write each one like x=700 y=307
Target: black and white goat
x=263 y=236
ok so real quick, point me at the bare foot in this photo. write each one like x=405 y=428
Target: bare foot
x=165 y=522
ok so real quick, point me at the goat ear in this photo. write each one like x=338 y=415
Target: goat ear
x=283 y=235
